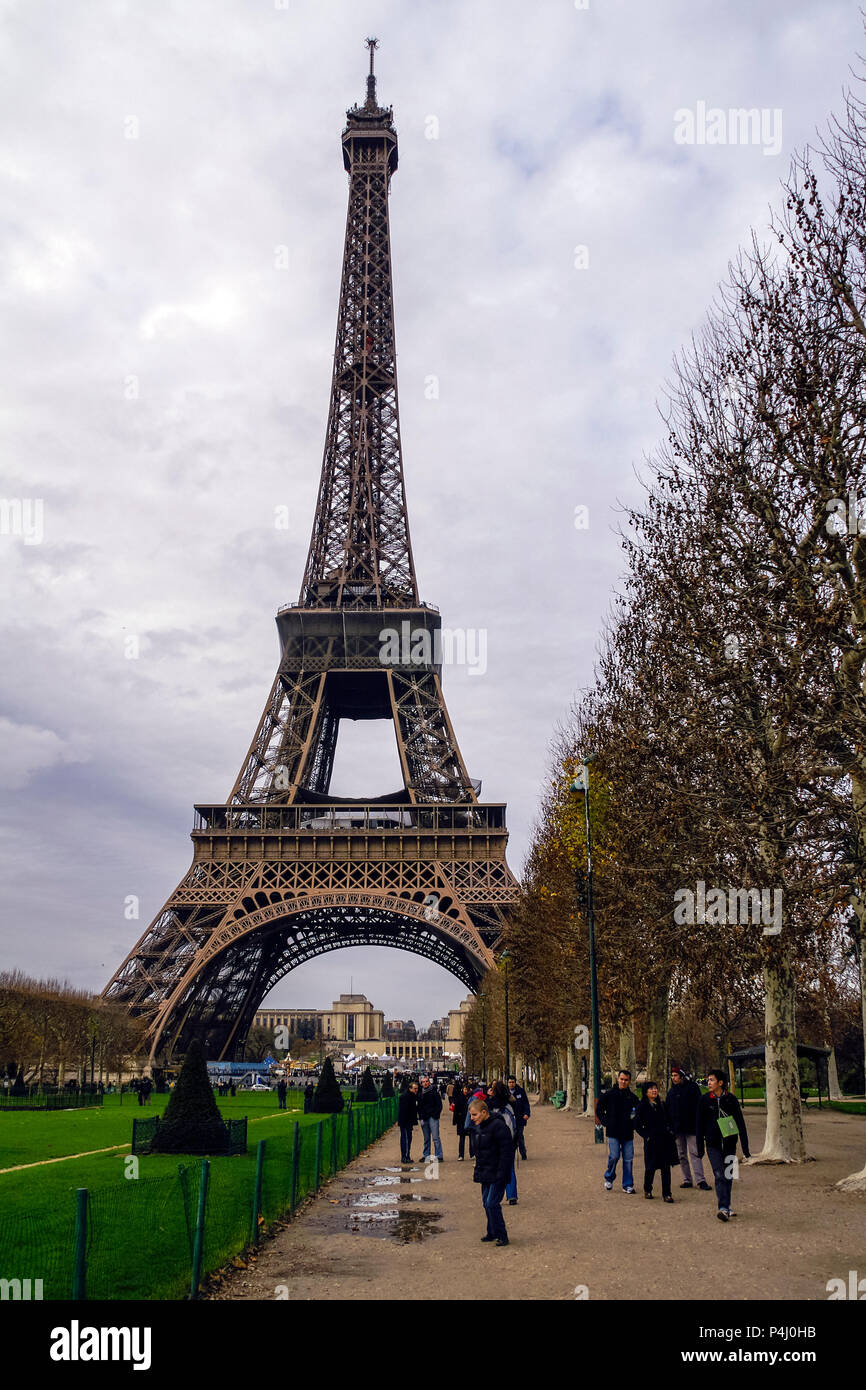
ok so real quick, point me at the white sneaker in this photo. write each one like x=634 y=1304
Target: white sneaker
x=607 y=1185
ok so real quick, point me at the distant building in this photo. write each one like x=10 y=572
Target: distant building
x=351 y=1019
x=400 y=1030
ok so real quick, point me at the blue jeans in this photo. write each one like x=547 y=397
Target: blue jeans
x=491 y=1195
x=723 y=1185
x=511 y=1187
x=405 y=1142
x=615 y=1148
x=430 y=1130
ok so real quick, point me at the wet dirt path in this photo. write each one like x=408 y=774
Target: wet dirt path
x=384 y=1232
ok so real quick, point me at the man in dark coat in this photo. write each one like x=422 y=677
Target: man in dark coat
x=682 y=1102
x=494 y=1158
x=429 y=1110
x=281 y=1092
x=407 y=1119
x=520 y=1106
x=616 y=1109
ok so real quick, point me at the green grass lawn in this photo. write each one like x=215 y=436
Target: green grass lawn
x=29 y=1135
x=141 y=1226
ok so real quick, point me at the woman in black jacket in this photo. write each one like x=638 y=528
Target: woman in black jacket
x=659 y=1146
x=715 y=1107
x=459 y=1105
x=407 y=1119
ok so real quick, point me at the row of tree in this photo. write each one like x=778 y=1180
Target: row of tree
x=51 y=1032
x=726 y=722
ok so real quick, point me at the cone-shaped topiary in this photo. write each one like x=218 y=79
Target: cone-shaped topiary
x=18 y=1087
x=387 y=1086
x=328 y=1098
x=192 y=1123
x=367 y=1089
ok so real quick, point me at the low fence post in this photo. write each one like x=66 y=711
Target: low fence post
x=319 y=1127
x=79 y=1258
x=296 y=1156
x=257 y=1192
x=198 y=1243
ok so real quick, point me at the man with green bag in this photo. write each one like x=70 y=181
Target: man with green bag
x=720 y=1123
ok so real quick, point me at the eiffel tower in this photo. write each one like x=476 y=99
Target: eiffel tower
x=284 y=871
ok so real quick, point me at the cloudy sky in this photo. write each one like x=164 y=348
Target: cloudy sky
x=173 y=205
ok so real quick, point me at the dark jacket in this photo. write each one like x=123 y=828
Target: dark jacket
x=520 y=1105
x=461 y=1105
x=614 y=1110
x=429 y=1103
x=652 y=1123
x=494 y=1151
x=682 y=1101
x=407 y=1110
x=708 y=1133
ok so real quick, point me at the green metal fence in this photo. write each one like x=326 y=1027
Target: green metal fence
x=146 y=1128
x=53 y=1100
x=156 y=1238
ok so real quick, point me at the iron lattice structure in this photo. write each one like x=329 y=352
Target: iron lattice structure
x=283 y=871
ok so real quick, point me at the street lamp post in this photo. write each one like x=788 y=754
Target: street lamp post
x=483 y=1037
x=581 y=783
x=504 y=957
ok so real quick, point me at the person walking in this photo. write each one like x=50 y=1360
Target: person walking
x=652 y=1123
x=460 y=1118
x=499 y=1103
x=281 y=1092
x=429 y=1110
x=494 y=1157
x=720 y=1124
x=407 y=1119
x=682 y=1101
x=520 y=1106
x=616 y=1109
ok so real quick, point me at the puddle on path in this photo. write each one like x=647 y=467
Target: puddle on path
x=401 y=1216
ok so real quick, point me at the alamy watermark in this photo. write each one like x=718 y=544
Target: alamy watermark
x=847 y=517
x=22 y=516
x=855 y=1289
x=738 y=125
x=719 y=907
x=408 y=646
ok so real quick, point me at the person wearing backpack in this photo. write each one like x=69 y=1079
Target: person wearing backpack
x=494 y=1161
x=720 y=1124
x=499 y=1103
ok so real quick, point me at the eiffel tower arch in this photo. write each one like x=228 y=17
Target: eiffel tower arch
x=284 y=871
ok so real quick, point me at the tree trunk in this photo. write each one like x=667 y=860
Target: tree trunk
x=545 y=1080
x=589 y=1112
x=656 y=1033
x=573 y=1098
x=626 y=1046
x=560 y=1068
x=833 y=1088
x=784 y=1142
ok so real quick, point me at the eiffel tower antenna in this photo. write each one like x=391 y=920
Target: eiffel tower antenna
x=283 y=870
x=372 y=44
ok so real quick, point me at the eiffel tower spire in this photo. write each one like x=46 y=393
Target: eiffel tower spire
x=360 y=553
